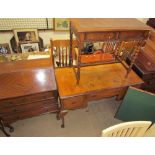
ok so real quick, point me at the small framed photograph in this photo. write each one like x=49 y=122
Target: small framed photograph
x=29 y=47
x=5 y=49
x=26 y=35
x=61 y=24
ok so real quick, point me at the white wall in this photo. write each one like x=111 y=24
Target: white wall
x=45 y=35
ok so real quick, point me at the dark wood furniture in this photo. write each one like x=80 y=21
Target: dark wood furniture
x=145 y=64
x=96 y=82
x=27 y=89
x=102 y=30
x=151 y=22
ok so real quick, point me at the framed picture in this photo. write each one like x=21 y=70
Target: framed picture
x=26 y=35
x=5 y=49
x=61 y=24
x=29 y=47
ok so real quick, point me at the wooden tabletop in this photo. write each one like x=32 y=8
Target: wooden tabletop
x=107 y=24
x=100 y=77
x=14 y=66
x=26 y=77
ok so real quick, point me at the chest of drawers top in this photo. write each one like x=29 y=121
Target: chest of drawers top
x=30 y=78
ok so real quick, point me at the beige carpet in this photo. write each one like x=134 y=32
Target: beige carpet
x=79 y=123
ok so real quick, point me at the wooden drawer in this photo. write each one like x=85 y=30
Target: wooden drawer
x=74 y=102
x=102 y=94
x=125 y=35
x=26 y=99
x=153 y=75
x=28 y=114
x=30 y=106
x=98 y=36
x=151 y=83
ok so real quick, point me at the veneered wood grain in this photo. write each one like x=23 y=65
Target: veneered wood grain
x=26 y=82
x=15 y=66
x=93 y=78
x=108 y=24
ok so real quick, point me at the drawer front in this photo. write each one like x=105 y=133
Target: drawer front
x=30 y=106
x=74 y=102
x=102 y=94
x=99 y=36
x=131 y=35
x=42 y=96
x=26 y=99
x=151 y=83
x=28 y=114
x=153 y=75
x=148 y=76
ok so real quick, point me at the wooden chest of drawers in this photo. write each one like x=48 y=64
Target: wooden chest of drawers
x=28 y=106
x=147 y=76
x=27 y=89
x=145 y=64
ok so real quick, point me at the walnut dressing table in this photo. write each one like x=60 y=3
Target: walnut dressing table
x=114 y=30
x=27 y=89
x=96 y=82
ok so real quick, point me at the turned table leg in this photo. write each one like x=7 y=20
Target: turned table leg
x=62 y=114
x=121 y=95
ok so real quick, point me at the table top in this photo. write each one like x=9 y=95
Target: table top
x=93 y=78
x=14 y=66
x=107 y=24
x=26 y=77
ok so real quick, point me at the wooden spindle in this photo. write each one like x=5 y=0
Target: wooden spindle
x=59 y=51
x=62 y=57
x=66 y=55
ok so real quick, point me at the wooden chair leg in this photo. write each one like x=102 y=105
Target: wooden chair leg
x=62 y=114
x=121 y=95
x=2 y=127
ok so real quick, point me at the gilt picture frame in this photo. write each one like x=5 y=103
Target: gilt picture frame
x=61 y=24
x=26 y=35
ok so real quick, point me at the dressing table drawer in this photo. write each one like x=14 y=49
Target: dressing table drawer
x=103 y=94
x=74 y=102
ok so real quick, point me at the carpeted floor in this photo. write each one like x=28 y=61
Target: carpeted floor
x=79 y=123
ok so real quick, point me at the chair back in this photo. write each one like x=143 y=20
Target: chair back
x=62 y=52
x=127 y=129
x=127 y=49
x=110 y=46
